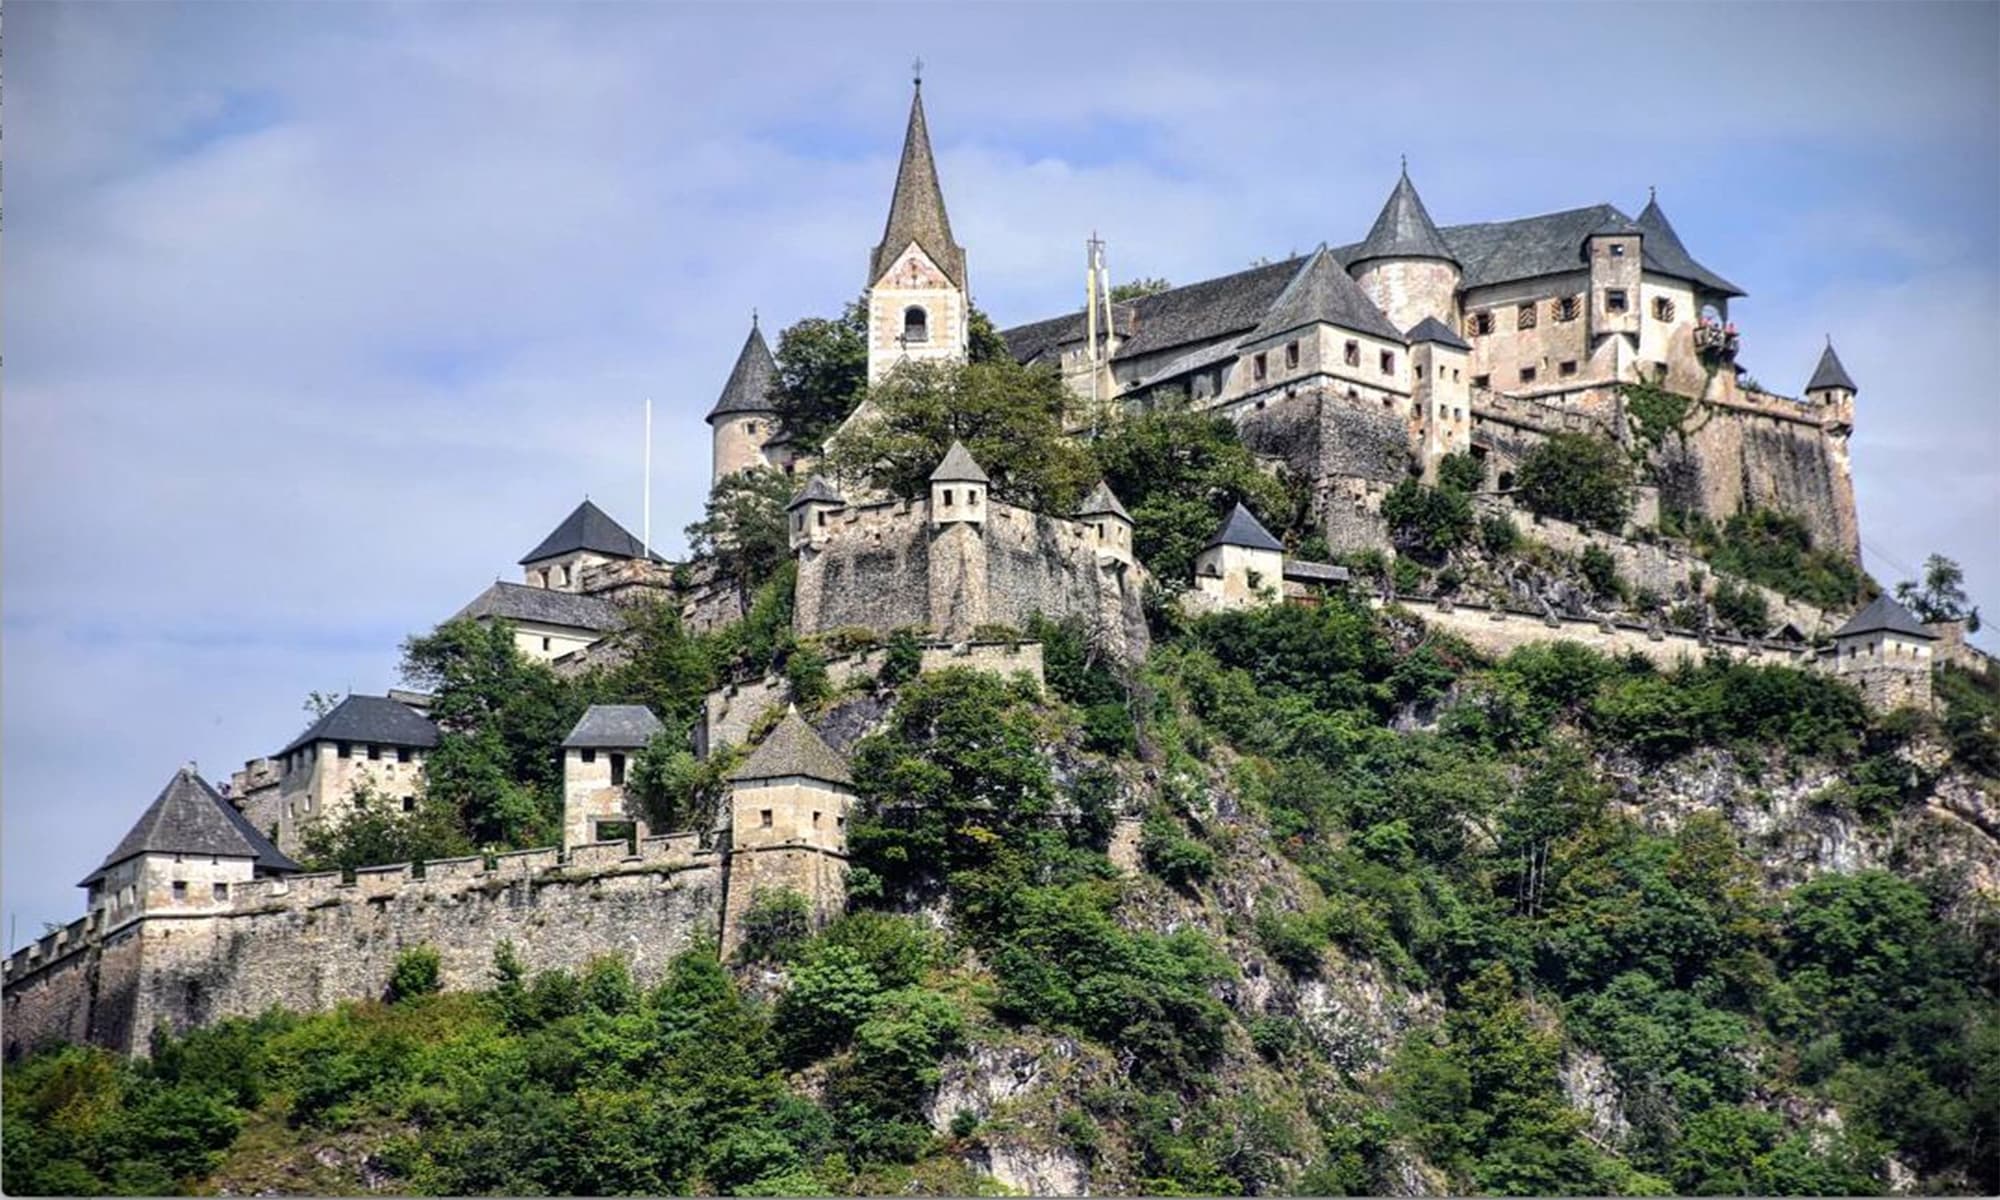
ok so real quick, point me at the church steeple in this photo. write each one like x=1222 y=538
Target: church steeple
x=916 y=211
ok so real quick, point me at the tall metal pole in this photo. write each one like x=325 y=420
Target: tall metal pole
x=646 y=493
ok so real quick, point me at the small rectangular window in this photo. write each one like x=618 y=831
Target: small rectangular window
x=402 y=754
x=180 y=890
x=545 y=645
x=409 y=804
x=1614 y=300
x=346 y=750
x=1482 y=323
x=947 y=497
x=1480 y=381
x=1352 y=354
x=764 y=818
x=822 y=519
x=1663 y=308
x=1618 y=250
x=1567 y=368
x=1527 y=374
x=222 y=891
x=375 y=752
x=1388 y=363
x=1566 y=309
x=1291 y=355
x=1258 y=369
x=1524 y=316
x=617 y=769
x=589 y=755
x=815 y=820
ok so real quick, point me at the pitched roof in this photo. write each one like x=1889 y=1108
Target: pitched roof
x=588 y=527
x=816 y=489
x=613 y=727
x=189 y=817
x=748 y=389
x=1829 y=373
x=376 y=719
x=794 y=749
x=1666 y=254
x=1882 y=615
x=1242 y=529
x=1100 y=502
x=1403 y=229
x=1430 y=329
x=548 y=606
x=958 y=467
x=1323 y=292
x=916 y=211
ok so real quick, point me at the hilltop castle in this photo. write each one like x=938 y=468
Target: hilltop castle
x=1356 y=366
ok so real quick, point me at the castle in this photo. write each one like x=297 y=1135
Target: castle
x=1355 y=366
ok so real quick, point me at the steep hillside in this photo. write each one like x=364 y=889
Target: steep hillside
x=1317 y=902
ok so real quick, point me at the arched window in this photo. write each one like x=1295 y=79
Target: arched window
x=916 y=324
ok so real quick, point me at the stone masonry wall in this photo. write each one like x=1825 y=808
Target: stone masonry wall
x=311 y=941
x=1498 y=631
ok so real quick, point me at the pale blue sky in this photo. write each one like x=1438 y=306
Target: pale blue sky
x=323 y=314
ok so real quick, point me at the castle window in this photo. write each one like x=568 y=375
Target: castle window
x=222 y=891
x=916 y=324
x=1291 y=355
x=815 y=820
x=409 y=804
x=375 y=752
x=1454 y=374
x=1618 y=250
x=563 y=575
x=1258 y=369
x=822 y=520
x=1614 y=300
x=1663 y=309
x=589 y=755
x=1481 y=381
x=1566 y=308
x=1420 y=371
x=402 y=754
x=947 y=497
x=1352 y=354
x=545 y=645
x=1527 y=374
x=1388 y=363
x=1524 y=316
x=750 y=427
x=617 y=770
x=180 y=891
x=345 y=750
x=764 y=818
x=1566 y=368
x=1482 y=323
x=798 y=522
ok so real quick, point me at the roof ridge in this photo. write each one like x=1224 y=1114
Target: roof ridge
x=1322 y=292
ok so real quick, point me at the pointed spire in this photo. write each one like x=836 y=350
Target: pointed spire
x=1102 y=503
x=749 y=386
x=1322 y=292
x=793 y=749
x=189 y=817
x=959 y=467
x=916 y=212
x=1404 y=229
x=1665 y=253
x=1830 y=373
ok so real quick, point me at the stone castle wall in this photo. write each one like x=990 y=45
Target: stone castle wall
x=310 y=941
x=1351 y=450
x=1498 y=631
x=1757 y=451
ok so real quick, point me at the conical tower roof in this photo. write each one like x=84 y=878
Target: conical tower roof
x=794 y=749
x=1666 y=254
x=1404 y=229
x=1243 y=529
x=1884 y=614
x=587 y=527
x=1323 y=291
x=749 y=386
x=1101 y=502
x=958 y=467
x=1830 y=373
x=916 y=212
x=188 y=817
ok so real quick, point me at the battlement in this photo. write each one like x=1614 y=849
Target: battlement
x=1543 y=412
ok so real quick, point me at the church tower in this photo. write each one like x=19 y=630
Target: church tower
x=918 y=307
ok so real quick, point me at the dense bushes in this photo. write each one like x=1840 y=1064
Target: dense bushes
x=1578 y=478
x=1775 y=549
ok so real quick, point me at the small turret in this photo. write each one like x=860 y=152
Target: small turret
x=745 y=417
x=1404 y=264
x=1441 y=390
x=1833 y=388
x=958 y=489
x=1613 y=254
x=811 y=511
x=1886 y=652
x=596 y=755
x=1110 y=524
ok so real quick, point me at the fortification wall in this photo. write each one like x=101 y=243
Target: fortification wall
x=1498 y=631
x=1767 y=453
x=732 y=711
x=1037 y=564
x=872 y=571
x=311 y=941
x=1351 y=451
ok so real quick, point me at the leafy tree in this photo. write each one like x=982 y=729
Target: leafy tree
x=1460 y=473
x=822 y=373
x=415 y=974
x=1580 y=478
x=1136 y=289
x=376 y=829
x=1428 y=521
x=1942 y=595
x=662 y=666
x=1599 y=569
x=1742 y=608
x=1009 y=416
x=775 y=926
x=744 y=527
x=983 y=341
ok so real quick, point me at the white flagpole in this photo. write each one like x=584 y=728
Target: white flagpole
x=646 y=500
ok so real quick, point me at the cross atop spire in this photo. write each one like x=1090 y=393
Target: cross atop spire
x=917 y=70
x=916 y=211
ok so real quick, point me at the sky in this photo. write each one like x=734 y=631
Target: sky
x=323 y=314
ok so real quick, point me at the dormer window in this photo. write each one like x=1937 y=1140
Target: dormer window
x=916 y=324
x=1258 y=368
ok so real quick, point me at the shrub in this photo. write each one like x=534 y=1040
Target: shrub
x=904 y=659
x=1171 y=854
x=1426 y=520
x=775 y=926
x=1460 y=473
x=1743 y=608
x=805 y=676
x=415 y=973
x=1599 y=569
x=1579 y=478
x=1499 y=534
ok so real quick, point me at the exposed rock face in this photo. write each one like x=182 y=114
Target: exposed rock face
x=1590 y=1087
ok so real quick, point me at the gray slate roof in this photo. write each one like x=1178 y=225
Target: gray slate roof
x=748 y=389
x=588 y=527
x=519 y=602
x=1323 y=292
x=916 y=212
x=1242 y=529
x=1403 y=229
x=189 y=817
x=1312 y=572
x=958 y=467
x=794 y=749
x=613 y=727
x=1666 y=254
x=1829 y=373
x=1101 y=502
x=376 y=719
x=1430 y=329
x=816 y=488
x=1883 y=614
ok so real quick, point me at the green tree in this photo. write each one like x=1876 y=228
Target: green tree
x=822 y=374
x=1427 y=521
x=416 y=973
x=745 y=529
x=1137 y=289
x=1580 y=478
x=376 y=830
x=1942 y=596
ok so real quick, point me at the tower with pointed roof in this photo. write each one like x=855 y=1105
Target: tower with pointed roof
x=811 y=512
x=587 y=537
x=958 y=489
x=745 y=417
x=597 y=755
x=918 y=298
x=1832 y=387
x=185 y=855
x=1404 y=264
x=1242 y=566
x=1887 y=653
x=788 y=808
x=1110 y=525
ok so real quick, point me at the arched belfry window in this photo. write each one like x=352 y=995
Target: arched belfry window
x=916 y=324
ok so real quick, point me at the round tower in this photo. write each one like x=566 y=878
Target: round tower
x=745 y=417
x=1405 y=265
